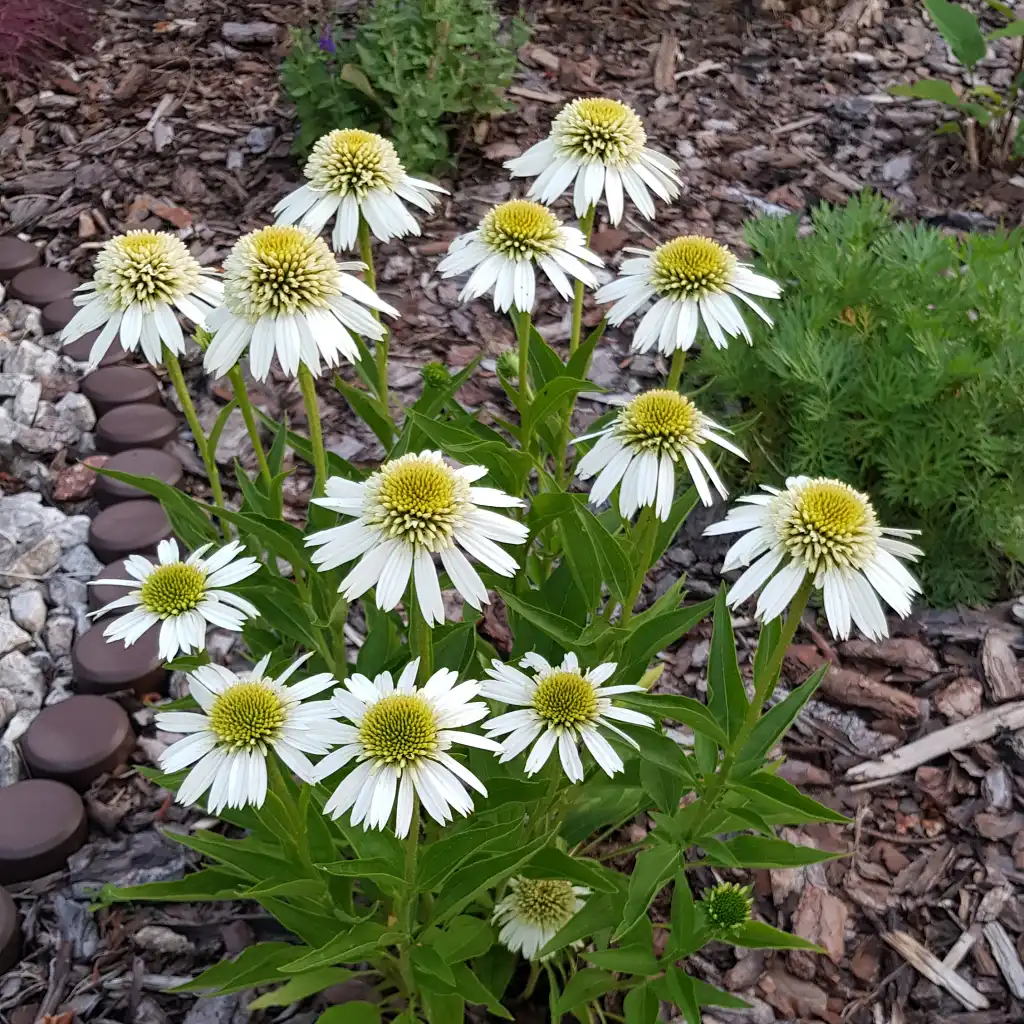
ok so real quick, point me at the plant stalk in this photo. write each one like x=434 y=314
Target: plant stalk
x=675 y=371
x=380 y=347
x=421 y=637
x=208 y=457
x=523 y=325
x=407 y=910
x=242 y=395
x=307 y=384
x=646 y=532
x=587 y=227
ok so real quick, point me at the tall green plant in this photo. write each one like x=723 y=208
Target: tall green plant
x=896 y=364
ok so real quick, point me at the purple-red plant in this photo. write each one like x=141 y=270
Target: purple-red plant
x=33 y=32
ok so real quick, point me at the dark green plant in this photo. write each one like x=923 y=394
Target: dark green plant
x=416 y=71
x=896 y=364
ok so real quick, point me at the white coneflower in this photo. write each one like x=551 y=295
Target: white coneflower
x=640 y=449
x=401 y=734
x=824 y=529
x=181 y=597
x=535 y=911
x=412 y=508
x=502 y=252
x=140 y=279
x=601 y=145
x=285 y=292
x=242 y=718
x=352 y=172
x=694 y=279
x=562 y=706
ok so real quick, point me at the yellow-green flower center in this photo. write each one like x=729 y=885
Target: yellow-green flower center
x=690 y=267
x=349 y=160
x=661 y=421
x=399 y=730
x=146 y=267
x=277 y=271
x=173 y=589
x=546 y=903
x=418 y=499
x=520 y=230
x=565 y=699
x=247 y=714
x=599 y=129
x=826 y=524
x=727 y=906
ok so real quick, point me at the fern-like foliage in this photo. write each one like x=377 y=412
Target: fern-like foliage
x=32 y=32
x=897 y=364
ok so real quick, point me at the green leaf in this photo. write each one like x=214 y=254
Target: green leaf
x=444 y=857
x=552 y=862
x=529 y=606
x=433 y=399
x=428 y=961
x=213 y=439
x=654 y=867
x=709 y=995
x=669 y=530
x=299 y=988
x=959 y=27
x=200 y=886
x=678 y=709
x=473 y=990
x=584 y=986
x=463 y=939
x=664 y=787
x=545 y=364
x=679 y=987
x=1011 y=31
x=758 y=935
x=368 y=409
x=648 y=635
x=727 y=700
x=350 y=945
x=551 y=398
x=354 y=1012
x=688 y=931
x=929 y=89
x=595 y=915
x=259 y=861
x=625 y=959
x=771 y=726
x=763 y=784
x=375 y=868
x=579 y=361
x=615 y=565
x=761 y=852
x=354 y=75
x=642 y=1005
x=256 y=965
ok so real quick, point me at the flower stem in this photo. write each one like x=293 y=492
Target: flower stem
x=764 y=689
x=645 y=534
x=523 y=327
x=675 y=371
x=406 y=913
x=242 y=395
x=421 y=637
x=380 y=348
x=209 y=461
x=587 y=227
x=316 y=433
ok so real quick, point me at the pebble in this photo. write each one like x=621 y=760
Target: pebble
x=12 y=636
x=260 y=138
x=26 y=402
x=23 y=679
x=59 y=635
x=897 y=169
x=80 y=562
x=76 y=409
x=28 y=609
x=8 y=708
x=67 y=592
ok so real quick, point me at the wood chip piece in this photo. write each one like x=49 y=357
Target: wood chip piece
x=1002 y=677
x=821 y=918
x=906 y=653
x=1005 y=955
x=926 y=963
x=960 y=699
x=665 y=63
x=852 y=689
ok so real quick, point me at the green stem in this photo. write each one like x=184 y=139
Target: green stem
x=646 y=533
x=421 y=637
x=242 y=395
x=675 y=371
x=587 y=227
x=380 y=347
x=523 y=326
x=316 y=434
x=209 y=461
x=407 y=910
x=764 y=689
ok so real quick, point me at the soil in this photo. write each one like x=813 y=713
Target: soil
x=168 y=123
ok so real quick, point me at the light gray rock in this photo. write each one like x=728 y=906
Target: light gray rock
x=23 y=679
x=18 y=725
x=67 y=592
x=12 y=636
x=35 y=563
x=80 y=562
x=260 y=138
x=9 y=384
x=26 y=402
x=10 y=765
x=23 y=358
x=72 y=531
x=8 y=708
x=60 y=689
x=897 y=169
x=77 y=410
x=59 y=635
x=46 y=365
x=28 y=609
x=242 y=33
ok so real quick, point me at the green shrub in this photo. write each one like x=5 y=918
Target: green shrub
x=897 y=364
x=416 y=70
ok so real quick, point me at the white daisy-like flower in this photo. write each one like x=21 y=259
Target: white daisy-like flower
x=140 y=279
x=502 y=252
x=693 y=279
x=285 y=292
x=412 y=508
x=241 y=719
x=535 y=911
x=400 y=735
x=181 y=597
x=639 y=451
x=353 y=173
x=560 y=705
x=826 y=529
x=600 y=144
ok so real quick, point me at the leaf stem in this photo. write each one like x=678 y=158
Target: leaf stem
x=242 y=395
x=380 y=347
x=208 y=457
x=307 y=384
x=587 y=227
x=675 y=371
